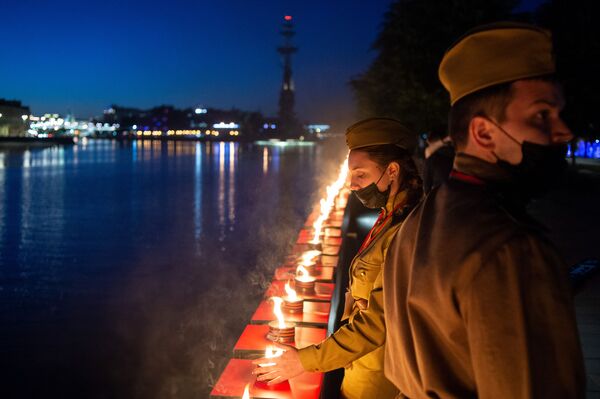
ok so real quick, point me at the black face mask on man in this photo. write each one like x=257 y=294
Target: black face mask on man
x=371 y=197
x=539 y=169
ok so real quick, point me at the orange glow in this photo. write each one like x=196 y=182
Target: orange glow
x=288 y=17
x=246 y=392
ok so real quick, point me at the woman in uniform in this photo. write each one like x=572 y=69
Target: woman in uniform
x=383 y=176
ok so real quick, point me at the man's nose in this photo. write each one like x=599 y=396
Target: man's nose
x=560 y=132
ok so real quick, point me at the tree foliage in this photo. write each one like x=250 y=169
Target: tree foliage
x=402 y=82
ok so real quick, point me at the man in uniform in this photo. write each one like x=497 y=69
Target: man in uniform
x=477 y=301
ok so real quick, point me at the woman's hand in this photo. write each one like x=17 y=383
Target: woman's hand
x=280 y=368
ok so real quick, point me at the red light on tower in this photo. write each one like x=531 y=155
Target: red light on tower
x=288 y=17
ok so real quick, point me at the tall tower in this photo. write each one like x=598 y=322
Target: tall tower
x=287 y=118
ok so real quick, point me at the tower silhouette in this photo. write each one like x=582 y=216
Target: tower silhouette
x=288 y=125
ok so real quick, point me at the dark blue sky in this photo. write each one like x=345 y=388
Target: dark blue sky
x=84 y=55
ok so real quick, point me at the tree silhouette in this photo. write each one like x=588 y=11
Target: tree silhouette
x=402 y=81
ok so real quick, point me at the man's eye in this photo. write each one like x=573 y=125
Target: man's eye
x=542 y=115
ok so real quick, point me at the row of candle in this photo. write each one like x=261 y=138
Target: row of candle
x=304 y=281
x=280 y=330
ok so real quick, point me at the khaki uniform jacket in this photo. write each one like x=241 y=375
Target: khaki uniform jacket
x=365 y=330
x=477 y=301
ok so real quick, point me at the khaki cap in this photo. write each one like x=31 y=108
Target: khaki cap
x=379 y=131
x=494 y=54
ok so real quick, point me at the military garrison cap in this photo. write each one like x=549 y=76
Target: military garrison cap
x=379 y=131
x=493 y=54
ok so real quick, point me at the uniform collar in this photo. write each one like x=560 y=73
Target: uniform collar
x=473 y=166
x=393 y=202
x=497 y=182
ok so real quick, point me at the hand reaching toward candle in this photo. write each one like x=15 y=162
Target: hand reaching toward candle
x=280 y=368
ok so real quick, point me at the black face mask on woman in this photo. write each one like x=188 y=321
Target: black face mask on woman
x=539 y=169
x=371 y=197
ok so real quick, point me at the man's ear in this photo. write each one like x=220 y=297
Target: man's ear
x=482 y=133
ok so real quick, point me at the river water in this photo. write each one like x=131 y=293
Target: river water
x=129 y=269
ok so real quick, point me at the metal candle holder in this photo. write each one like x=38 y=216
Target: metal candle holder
x=306 y=285
x=284 y=335
x=293 y=306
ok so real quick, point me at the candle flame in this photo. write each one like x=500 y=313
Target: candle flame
x=302 y=273
x=308 y=257
x=290 y=292
x=277 y=301
x=328 y=203
x=246 y=392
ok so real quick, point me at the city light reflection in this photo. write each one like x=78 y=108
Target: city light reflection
x=198 y=193
x=221 y=190
x=265 y=161
x=275 y=158
x=231 y=191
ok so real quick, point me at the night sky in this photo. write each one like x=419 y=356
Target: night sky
x=85 y=55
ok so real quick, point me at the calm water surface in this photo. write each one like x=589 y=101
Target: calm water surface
x=130 y=269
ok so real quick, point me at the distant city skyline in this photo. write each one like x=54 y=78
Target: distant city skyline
x=82 y=57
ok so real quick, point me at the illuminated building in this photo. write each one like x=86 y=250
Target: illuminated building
x=14 y=118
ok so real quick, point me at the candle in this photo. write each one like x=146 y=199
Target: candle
x=280 y=330
x=304 y=282
x=292 y=303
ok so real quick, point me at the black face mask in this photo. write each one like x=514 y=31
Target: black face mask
x=539 y=169
x=371 y=197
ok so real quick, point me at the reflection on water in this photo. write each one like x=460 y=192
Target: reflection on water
x=265 y=160
x=231 y=191
x=130 y=269
x=198 y=192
